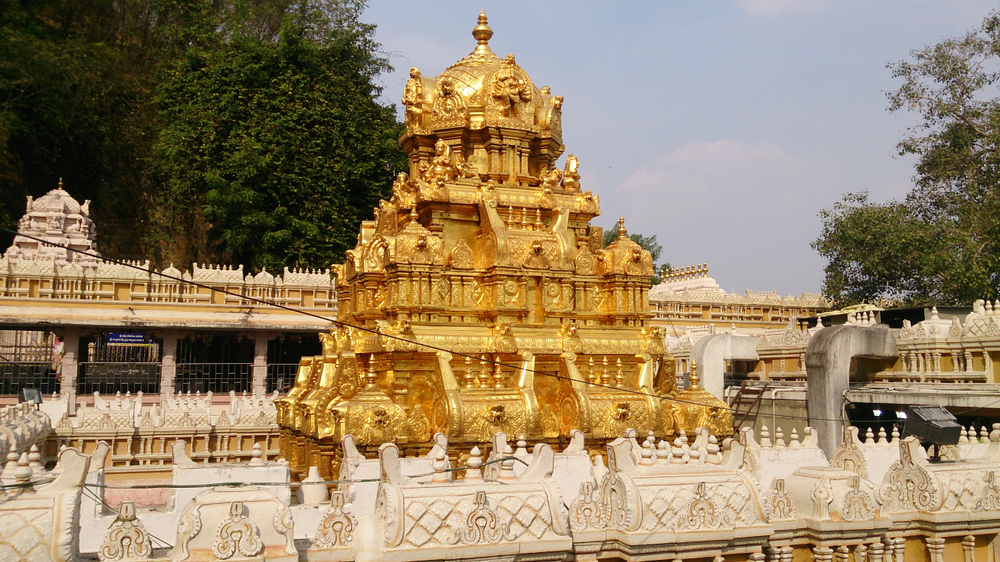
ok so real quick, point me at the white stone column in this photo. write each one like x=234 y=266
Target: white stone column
x=822 y=554
x=260 y=363
x=70 y=366
x=876 y=552
x=935 y=547
x=168 y=362
x=969 y=547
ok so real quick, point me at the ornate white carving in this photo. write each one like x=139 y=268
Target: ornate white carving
x=481 y=523
x=990 y=499
x=337 y=527
x=236 y=535
x=778 y=505
x=909 y=486
x=585 y=511
x=126 y=538
x=849 y=455
x=857 y=504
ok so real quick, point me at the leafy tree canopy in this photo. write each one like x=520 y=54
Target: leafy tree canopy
x=236 y=131
x=941 y=244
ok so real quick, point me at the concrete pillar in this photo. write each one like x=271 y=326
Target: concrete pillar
x=70 y=365
x=260 y=363
x=168 y=362
x=712 y=352
x=828 y=364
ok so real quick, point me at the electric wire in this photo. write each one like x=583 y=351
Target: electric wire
x=106 y=486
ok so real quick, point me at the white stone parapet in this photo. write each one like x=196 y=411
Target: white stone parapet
x=22 y=427
x=141 y=435
x=695 y=501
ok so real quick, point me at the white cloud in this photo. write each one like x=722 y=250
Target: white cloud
x=774 y=7
x=745 y=208
x=712 y=165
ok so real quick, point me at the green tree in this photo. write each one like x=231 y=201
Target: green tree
x=281 y=148
x=203 y=130
x=647 y=243
x=941 y=244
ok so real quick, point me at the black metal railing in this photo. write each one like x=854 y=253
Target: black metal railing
x=28 y=374
x=109 y=377
x=281 y=376
x=215 y=377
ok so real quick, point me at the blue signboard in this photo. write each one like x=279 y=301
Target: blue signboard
x=126 y=337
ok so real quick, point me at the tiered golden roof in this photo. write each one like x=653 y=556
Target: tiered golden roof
x=482 y=278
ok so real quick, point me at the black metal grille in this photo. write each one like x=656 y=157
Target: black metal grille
x=283 y=356
x=27 y=374
x=281 y=376
x=215 y=377
x=27 y=346
x=109 y=377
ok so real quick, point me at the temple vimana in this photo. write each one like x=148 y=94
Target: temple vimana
x=497 y=385
x=480 y=299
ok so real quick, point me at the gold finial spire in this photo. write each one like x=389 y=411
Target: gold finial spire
x=498 y=378
x=371 y=376
x=482 y=33
x=414 y=216
x=622 y=233
x=694 y=375
x=60 y=183
x=470 y=374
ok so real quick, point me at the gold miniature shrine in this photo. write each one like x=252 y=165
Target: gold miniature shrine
x=490 y=301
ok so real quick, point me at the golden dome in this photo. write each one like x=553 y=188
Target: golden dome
x=698 y=407
x=468 y=76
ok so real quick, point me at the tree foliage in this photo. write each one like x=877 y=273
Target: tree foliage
x=237 y=130
x=941 y=244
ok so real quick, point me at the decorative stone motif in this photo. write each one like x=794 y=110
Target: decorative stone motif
x=519 y=510
x=337 y=527
x=236 y=535
x=850 y=456
x=481 y=523
x=234 y=523
x=857 y=504
x=43 y=525
x=585 y=511
x=909 y=487
x=777 y=504
x=991 y=493
x=126 y=539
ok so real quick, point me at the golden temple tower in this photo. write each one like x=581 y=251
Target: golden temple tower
x=488 y=299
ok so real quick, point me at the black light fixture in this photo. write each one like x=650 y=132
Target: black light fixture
x=29 y=395
x=934 y=425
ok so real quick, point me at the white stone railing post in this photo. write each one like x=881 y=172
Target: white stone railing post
x=168 y=363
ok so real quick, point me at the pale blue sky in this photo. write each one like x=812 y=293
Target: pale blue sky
x=721 y=127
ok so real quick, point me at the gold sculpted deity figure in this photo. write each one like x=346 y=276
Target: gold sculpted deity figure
x=510 y=89
x=441 y=165
x=413 y=95
x=551 y=179
x=571 y=174
x=449 y=105
x=403 y=193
